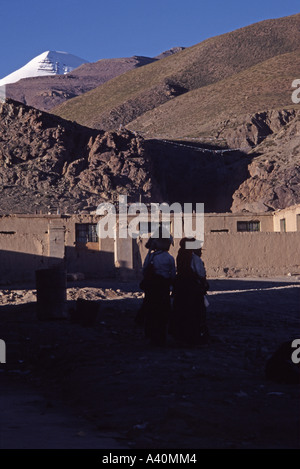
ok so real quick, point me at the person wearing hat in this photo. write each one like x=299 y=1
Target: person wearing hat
x=188 y=321
x=159 y=272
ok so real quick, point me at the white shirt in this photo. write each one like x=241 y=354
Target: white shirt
x=197 y=265
x=163 y=263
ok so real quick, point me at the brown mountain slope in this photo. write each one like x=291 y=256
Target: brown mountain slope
x=223 y=112
x=166 y=53
x=130 y=95
x=48 y=91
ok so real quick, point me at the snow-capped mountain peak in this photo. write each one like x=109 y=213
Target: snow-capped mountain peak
x=47 y=63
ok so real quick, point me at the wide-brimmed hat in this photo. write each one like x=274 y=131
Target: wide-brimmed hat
x=191 y=243
x=161 y=239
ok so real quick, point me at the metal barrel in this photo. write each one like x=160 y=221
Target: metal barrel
x=51 y=286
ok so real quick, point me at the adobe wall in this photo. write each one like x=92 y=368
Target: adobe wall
x=96 y=262
x=23 y=248
x=32 y=242
x=228 y=221
x=24 y=234
x=252 y=254
x=247 y=254
x=28 y=243
x=291 y=216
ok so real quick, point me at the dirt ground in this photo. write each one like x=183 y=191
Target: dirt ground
x=122 y=392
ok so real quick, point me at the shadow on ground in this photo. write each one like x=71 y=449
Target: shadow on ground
x=214 y=396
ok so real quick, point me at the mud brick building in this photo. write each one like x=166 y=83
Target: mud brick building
x=235 y=245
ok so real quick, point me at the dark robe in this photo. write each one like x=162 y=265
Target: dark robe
x=156 y=309
x=188 y=320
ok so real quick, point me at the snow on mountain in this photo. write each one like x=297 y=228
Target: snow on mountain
x=47 y=63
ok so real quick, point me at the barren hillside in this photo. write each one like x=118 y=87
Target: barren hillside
x=46 y=92
x=217 y=62
x=224 y=112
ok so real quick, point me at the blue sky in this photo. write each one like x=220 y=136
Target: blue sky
x=96 y=29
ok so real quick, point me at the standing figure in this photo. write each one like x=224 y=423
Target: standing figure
x=158 y=275
x=188 y=321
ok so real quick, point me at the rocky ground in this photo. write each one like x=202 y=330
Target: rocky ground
x=135 y=396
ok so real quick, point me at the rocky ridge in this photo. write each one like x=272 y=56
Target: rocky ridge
x=274 y=172
x=249 y=130
x=49 y=164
